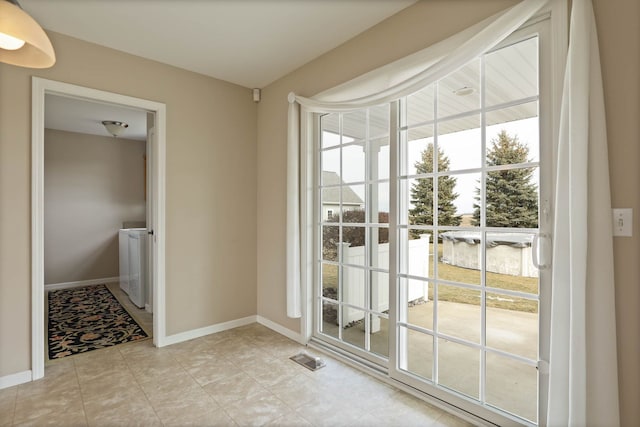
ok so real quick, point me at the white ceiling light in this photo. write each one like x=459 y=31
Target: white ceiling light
x=115 y=128
x=22 y=41
x=464 y=91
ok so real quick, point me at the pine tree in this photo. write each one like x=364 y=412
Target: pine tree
x=512 y=197
x=422 y=193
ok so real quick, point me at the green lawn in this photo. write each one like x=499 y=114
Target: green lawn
x=468 y=296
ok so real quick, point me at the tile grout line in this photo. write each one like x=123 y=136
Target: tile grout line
x=84 y=409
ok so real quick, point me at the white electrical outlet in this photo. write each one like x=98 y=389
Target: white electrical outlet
x=622 y=222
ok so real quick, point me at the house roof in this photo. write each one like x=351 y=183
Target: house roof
x=331 y=195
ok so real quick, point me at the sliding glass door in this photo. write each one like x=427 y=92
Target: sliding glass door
x=431 y=211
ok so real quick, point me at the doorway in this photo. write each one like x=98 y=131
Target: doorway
x=155 y=202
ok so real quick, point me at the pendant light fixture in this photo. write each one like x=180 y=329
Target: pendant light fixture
x=114 y=128
x=22 y=41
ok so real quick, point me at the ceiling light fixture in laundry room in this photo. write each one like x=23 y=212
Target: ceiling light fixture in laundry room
x=114 y=128
x=23 y=42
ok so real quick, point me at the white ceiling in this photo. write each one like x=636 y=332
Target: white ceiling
x=81 y=116
x=248 y=42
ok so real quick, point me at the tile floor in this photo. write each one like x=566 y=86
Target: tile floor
x=238 y=377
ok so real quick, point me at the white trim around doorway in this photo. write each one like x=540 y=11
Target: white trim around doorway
x=40 y=87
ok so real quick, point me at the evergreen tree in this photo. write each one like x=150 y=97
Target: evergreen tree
x=512 y=197
x=422 y=193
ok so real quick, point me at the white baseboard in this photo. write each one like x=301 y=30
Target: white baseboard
x=207 y=330
x=80 y=283
x=281 y=329
x=15 y=379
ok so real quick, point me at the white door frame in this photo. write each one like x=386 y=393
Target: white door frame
x=40 y=87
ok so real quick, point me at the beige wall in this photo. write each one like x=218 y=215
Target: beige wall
x=92 y=184
x=619 y=38
x=415 y=28
x=211 y=188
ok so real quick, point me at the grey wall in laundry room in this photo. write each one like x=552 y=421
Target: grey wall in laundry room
x=92 y=185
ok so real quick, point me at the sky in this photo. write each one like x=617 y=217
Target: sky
x=462 y=148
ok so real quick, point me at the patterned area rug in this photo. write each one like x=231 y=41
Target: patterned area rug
x=88 y=318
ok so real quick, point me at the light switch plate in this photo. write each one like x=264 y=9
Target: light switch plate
x=622 y=222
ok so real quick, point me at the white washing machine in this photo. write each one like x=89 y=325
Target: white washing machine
x=138 y=266
x=123 y=240
x=133 y=264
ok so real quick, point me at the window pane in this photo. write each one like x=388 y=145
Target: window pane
x=415 y=155
x=515 y=141
x=512 y=325
x=380 y=152
x=354 y=126
x=330 y=281
x=416 y=352
x=417 y=201
x=515 y=132
x=415 y=296
x=353 y=203
x=379 y=201
x=460 y=257
x=379 y=121
x=353 y=168
x=415 y=255
x=511 y=73
x=353 y=287
x=459 y=312
x=420 y=106
x=330 y=125
x=379 y=291
x=512 y=198
x=458 y=198
x=353 y=247
x=353 y=331
x=512 y=386
x=459 y=144
x=330 y=242
x=379 y=239
x=510 y=262
x=330 y=167
x=329 y=323
x=459 y=92
x=379 y=335
x=459 y=367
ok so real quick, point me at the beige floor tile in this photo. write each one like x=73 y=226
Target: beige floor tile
x=234 y=388
x=40 y=407
x=105 y=385
x=289 y=420
x=189 y=405
x=299 y=390
x=144 y=370
x=175 y=383
x=67 y=419
x=211 y=418
x=122 y=407
x=448 y=420
x=257 y=410
x=214 y=370
x=335 y=414
x=7 y=405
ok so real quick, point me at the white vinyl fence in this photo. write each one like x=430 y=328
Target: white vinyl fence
x=415 y=263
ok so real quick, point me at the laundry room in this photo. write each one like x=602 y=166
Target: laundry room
x=95 y=224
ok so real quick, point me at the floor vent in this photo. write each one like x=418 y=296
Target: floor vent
x=309 y=362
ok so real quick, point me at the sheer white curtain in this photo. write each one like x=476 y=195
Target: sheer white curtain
x=583 y=380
